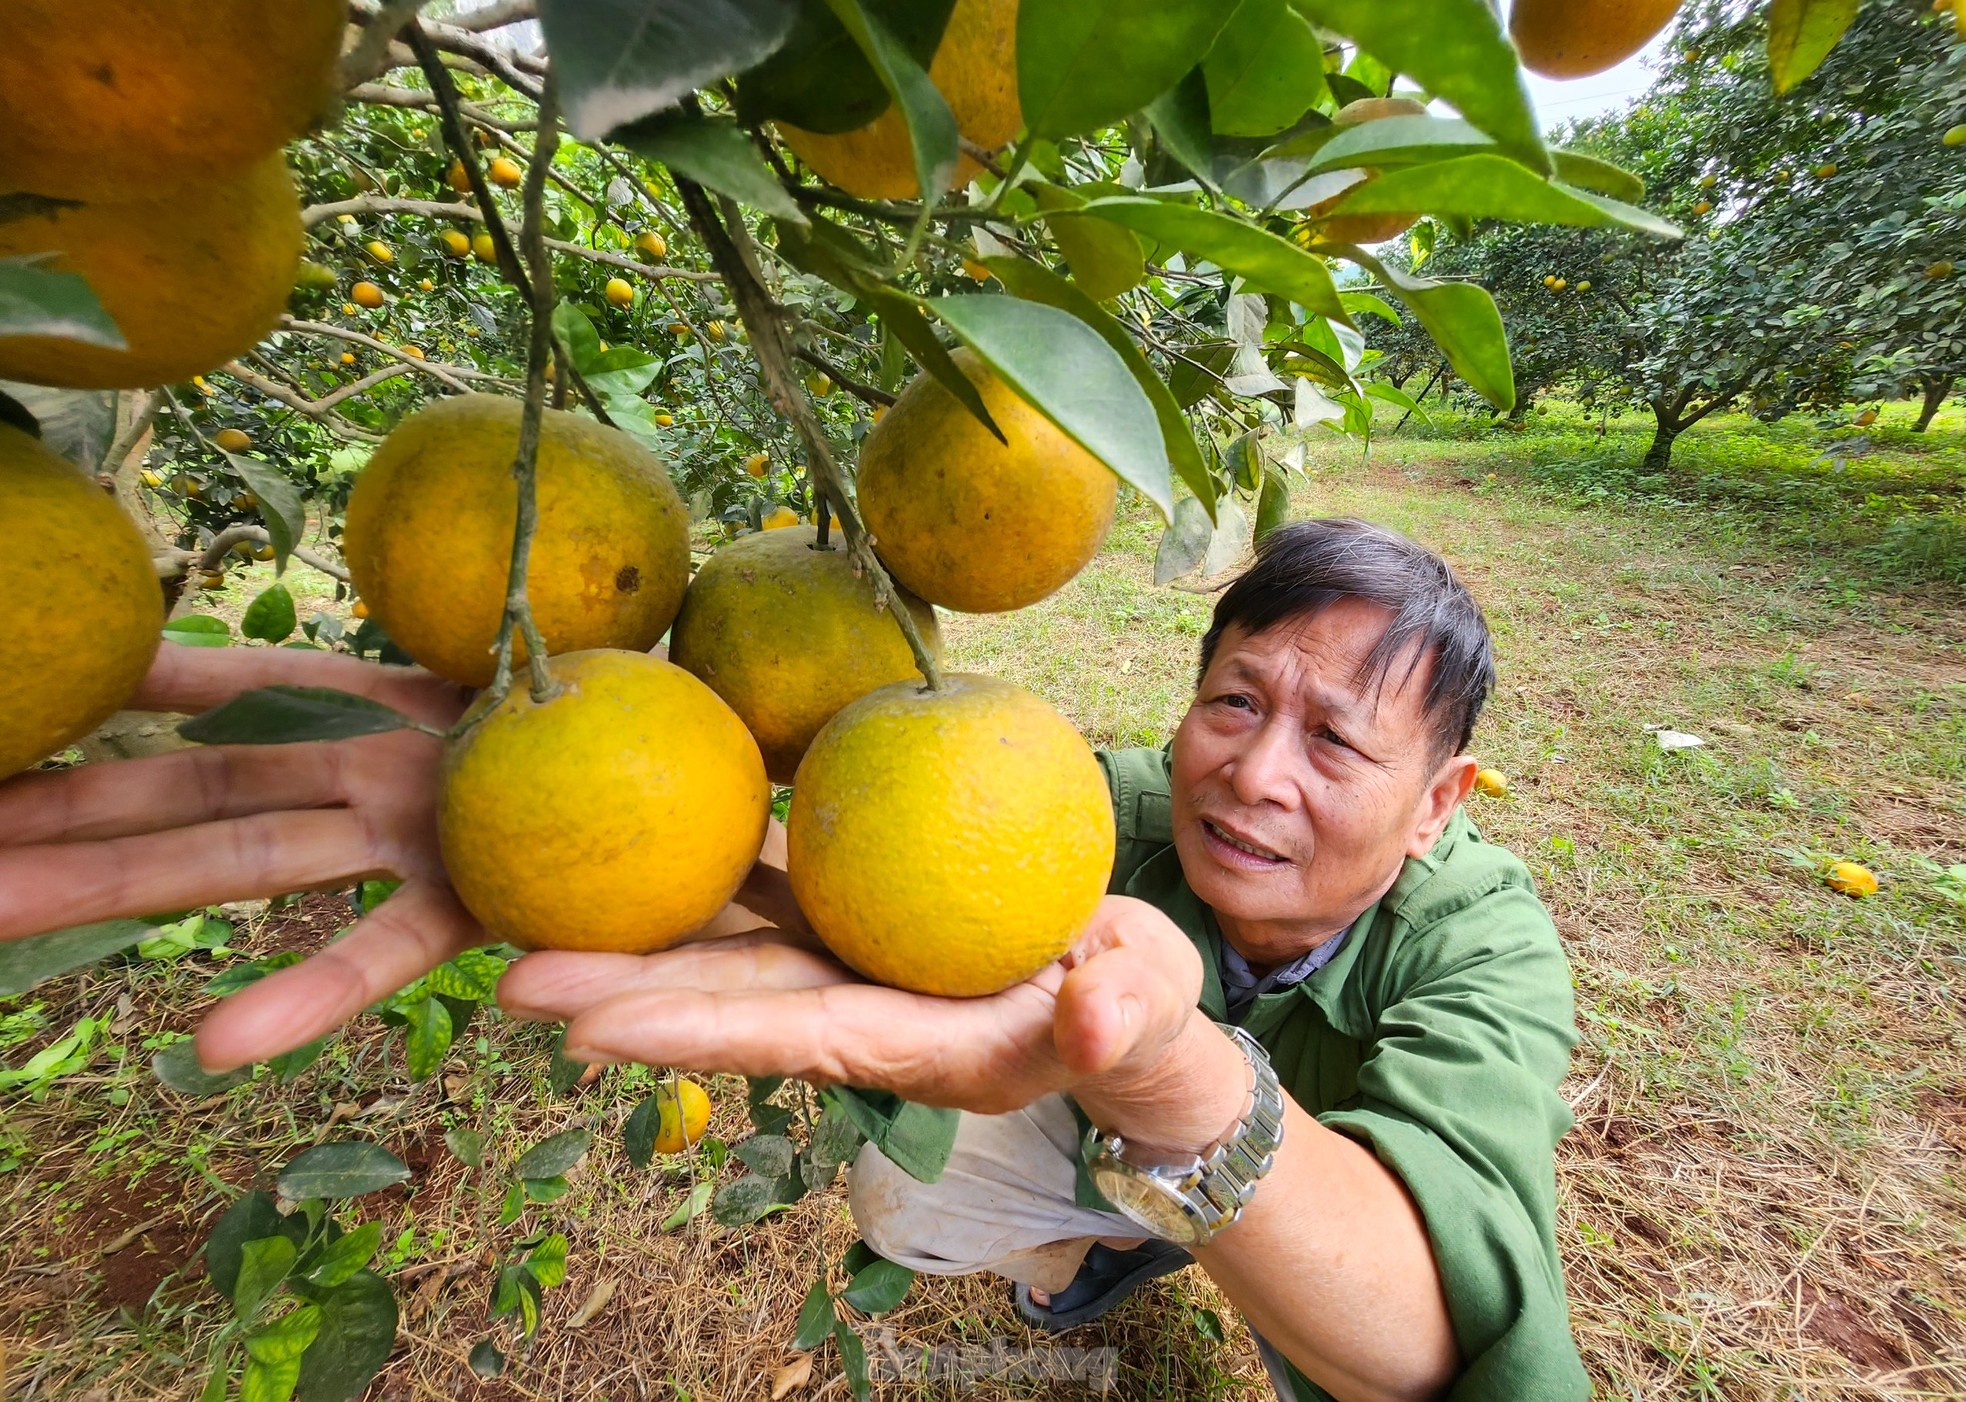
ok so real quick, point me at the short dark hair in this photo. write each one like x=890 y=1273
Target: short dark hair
x=1303 y=568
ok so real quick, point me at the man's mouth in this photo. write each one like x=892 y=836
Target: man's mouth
x=1238 y=850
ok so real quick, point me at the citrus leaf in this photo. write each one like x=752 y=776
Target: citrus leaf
x=24 y=963
x=1456 y=49
x=250 y=1218
x=1083 y=64
x=853 y=1359
x=715 y=152
x=1273 y=507
x=554 y=1156
x=467 y=1145
x=1065 y=370
x=198 y=630
x=1800 y=35
x=428 y=1037
x=820 y=81
x=878 y=1287
x=270 y=617
x=692 y=1207
x=263 y=1264
x=279 y=504
x=1105 y=259
x=620 y=60
x=37 y=301
x=769 y=1155
x=284 y=715
x=1267 y=263
x=176 y=1066
x=816 y=1316
x=349 y=1169
x=1494 y=187
x=1184 y=540
x=1035 y=283
x=638 y=1135
x=1463 y=322
x=1265 y=70
x=345 y=1255
x=931 y=125
x=358 y=1331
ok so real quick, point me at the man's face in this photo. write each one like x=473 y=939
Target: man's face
x=1288 y=750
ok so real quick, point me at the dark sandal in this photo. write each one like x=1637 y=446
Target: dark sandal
x=1106 y=1277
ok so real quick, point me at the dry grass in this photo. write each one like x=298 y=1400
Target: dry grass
x=1763 y=1197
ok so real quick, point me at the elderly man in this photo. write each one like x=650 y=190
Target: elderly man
x=1310 y=1042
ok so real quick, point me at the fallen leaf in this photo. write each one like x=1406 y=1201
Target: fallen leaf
x=792 y=1376
x=596 y=1301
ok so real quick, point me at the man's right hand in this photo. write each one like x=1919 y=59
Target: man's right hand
x=224 y=823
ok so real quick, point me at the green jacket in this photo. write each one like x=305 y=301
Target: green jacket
x=1437 y=1035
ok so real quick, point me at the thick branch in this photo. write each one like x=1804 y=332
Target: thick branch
x=765 y=320
x=133 y=432
x=371 y=51
x=273 y=389
x=460 y=145
x=209 y=558
x=392 y=95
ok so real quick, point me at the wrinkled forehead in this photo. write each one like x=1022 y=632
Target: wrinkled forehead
x=1339 y=657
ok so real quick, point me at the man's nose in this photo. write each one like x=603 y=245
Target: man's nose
x=1266 y=769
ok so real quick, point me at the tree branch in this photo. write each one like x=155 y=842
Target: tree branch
x=392 y=95
x=209 y=558
x=454 y=376
x=445 y=92
x=765 y=320
x=273 y=389
x=382 y=23
x=866 y=393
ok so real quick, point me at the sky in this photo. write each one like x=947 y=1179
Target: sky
x=1584 y=97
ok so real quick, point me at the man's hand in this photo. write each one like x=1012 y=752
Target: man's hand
x=1102 y=1022
x=224 y=823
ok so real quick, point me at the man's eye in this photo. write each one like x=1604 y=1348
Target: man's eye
x=1239 y=702
x=1327 y=733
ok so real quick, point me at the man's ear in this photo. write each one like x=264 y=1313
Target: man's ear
x=1449 y=788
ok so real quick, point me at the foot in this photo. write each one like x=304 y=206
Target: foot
x=1105 y=1279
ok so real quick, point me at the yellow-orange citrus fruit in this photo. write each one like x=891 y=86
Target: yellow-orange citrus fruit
x=1851 y=879
x=80 y=581
x=665 y=420
x=426 y=285
x=977 y=270
x=359 y=609
x=1573 y=38
x=367 y=294
x=1702 y=206
x=619 y=814
x=975 y=67
x=682 y=1111
x=650 y=245
x=1491 y=783
x=619 y=292
x=483 y=248
x=756 y=464
x=1364 y=228
x=1955 y=136
x=1584 y=286
x=1940 y=269
x=505 y=172
x=1866 y=418
x=132 y=100
x=950 y=842
x=788 y=634
x=679 y=328
x=610 y=559
x=458 y=178
x=413 y=352
x=348 y=357
x=779 y=518
x=974 y=524
x=716 y=331
x=380 y=251
x=313 y=277
x=233 y=440
x=192 y=279
x=1826 y=170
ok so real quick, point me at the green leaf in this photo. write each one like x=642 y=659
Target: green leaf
x=563 y=1073
x=284 y=715
x=548 y=1261
x=1587 y=172
x=514 y=1204
x=619 y=60
x=554 y=1156
x=177 y=1067
x=37 y=301
x=358 y=1331
x=1267 y=263
x=1801 y=34
x=279 y=504
x=286 y=1338
x=1463 y=322
x=692 y=1207
x=1494 y=187
x=270 y=617
x=1184 y=540
x=1065 y=370
x=1230 y=539
x=1084 y=64
x=290 y=1064
x=1265 y=70
x=1388 y=142
x=486 y=1361
x=546 y=1189
x=1457 y=50
x=572 y=327
x=466 y=1145
x=473 y=974
x=931 y=125
x=638 y=1135
x=816 y=1316
x=428 y=1036
x=715 y=152
x=1035 y=283
x=263 y=1264
x=345 y=1255
x=250 y=1218
x=821 y=81
x=836 y=1139
x=349 y=1169
x=1105 y=260
x=268 y=1382
x=853 y=1359
x=24 y=963
x=198 y=630
x=769 y=1155
x=744 y=1200
x=878 y=1287
x=1273 y=507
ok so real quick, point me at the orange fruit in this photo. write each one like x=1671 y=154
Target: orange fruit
x=619 y=292
x=1574 y=38
x=367 y=294
x=651 y=246
x=1364 y=228
x=505 y=173
x=232 y=440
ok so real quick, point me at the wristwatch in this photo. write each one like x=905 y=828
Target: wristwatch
x=1188 y=1198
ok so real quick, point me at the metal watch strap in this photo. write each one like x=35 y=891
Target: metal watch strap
x=1231 y=1170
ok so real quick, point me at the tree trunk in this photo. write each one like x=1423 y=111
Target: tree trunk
x=1658 y=457
x=1935 y=395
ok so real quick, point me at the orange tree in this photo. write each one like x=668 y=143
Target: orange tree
x=1144 y=232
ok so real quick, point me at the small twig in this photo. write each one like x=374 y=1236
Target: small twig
x=208 y=559
x=372 y=49
x=869 y=393
x=732 y=253
x=273 y=389
x=117 y=1243
x=445 y=92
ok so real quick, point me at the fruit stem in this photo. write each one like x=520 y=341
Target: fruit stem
x=734 y=254
x=539 y=286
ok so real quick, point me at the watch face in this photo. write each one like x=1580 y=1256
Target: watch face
x=1147 y=1201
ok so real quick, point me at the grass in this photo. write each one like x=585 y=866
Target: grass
x=1764 y=1196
